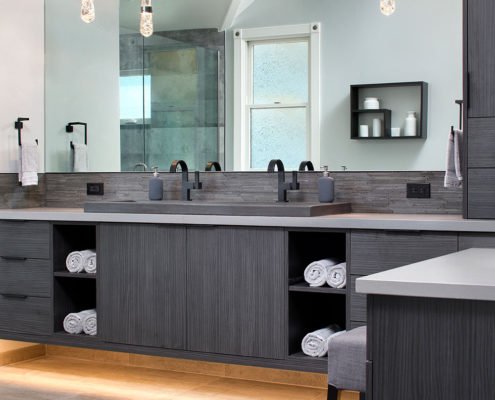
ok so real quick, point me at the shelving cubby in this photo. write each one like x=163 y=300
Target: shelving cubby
x=396 y=99
x=72 y=292
x=313 y=308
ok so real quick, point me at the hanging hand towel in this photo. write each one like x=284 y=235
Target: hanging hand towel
x=316 y=273
x=28 y=163
x=80 y=158
x=315 y=344
x=337 y=276
x=453 y=171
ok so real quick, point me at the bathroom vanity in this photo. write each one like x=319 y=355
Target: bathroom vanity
x=209 y=287
x=430 y=328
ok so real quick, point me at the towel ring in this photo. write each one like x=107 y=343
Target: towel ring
x=69 y=128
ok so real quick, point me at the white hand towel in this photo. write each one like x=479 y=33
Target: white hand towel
x=453 y=170
x=80 y=157
x=315 y=344
x=316 y=273
x=89 y=323
x=77 y=260
x=73 y=322
x=28 y=163
x=90 y=263
x=337 y=276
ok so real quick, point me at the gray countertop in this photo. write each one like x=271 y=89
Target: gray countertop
x=417 y=222
x=468 y=274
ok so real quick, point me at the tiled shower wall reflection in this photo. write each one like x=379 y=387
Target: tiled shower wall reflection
x=180 y=113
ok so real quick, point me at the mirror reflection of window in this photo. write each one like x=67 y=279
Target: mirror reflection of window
x=278 y=101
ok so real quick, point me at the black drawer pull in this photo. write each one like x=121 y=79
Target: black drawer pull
x=14 y=258
x=14 y=296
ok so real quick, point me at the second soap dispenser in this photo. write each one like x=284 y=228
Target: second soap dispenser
x=155 y=189
x=326 y=187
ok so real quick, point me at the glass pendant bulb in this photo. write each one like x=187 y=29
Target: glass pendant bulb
x=387 y=7
x=87 y=11
x=146 y=24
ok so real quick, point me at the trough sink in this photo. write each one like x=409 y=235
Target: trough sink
x=290 y=209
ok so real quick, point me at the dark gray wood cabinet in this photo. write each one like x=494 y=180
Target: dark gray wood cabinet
x=479 y=103
x=377 y=251
x=468 y=240
x=431 y=349
x=142 y=285
x=237 y=291
x=480 y=53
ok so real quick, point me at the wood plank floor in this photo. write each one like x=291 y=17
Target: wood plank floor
x=54 y=378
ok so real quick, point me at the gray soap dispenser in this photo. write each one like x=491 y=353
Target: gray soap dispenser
x=326 y=188
x=156 y=186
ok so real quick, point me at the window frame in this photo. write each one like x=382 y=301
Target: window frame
x=244 y=39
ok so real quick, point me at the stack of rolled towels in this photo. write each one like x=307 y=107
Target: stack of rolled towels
x=79 y=261
x=330 y=271
x=84 y=321
x=315 y=344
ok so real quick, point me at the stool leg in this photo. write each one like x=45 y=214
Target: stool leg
x=333 y=393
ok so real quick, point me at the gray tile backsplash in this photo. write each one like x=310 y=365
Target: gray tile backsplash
x=383 y=192
x=12 y=195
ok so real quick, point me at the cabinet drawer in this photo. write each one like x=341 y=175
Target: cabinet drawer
x=481 y=193
x=376 y=251
x=25 y=276
x=25 y=314
x=25 y=239
x=358 y=302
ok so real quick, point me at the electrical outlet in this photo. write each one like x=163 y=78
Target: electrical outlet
x=94 y=189
x=418 y=191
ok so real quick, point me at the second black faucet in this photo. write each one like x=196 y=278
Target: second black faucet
x=186 y=184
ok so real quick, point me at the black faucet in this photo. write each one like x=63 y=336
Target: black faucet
x=213 y=165
x=282 y=185
x=306 y=164
x=186 y=185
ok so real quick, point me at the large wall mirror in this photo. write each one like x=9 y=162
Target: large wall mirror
x=148 y=101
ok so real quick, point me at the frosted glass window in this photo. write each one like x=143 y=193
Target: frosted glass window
x=278 y=133
x=131 y=97
x=280 y=72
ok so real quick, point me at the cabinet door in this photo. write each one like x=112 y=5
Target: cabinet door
x=142 y=285
x=237 y=291
x=481 y=143
x=481 y=57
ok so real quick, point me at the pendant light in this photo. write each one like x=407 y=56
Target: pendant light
x=87 y=11
x=387 y=7
x=146 y=23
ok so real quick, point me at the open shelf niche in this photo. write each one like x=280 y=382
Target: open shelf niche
x=313 y=308
x=72 y=292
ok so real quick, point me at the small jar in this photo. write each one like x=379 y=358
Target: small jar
x=410 y=124
x=371 y=103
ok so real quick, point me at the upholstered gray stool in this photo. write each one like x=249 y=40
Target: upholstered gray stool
x=347 y=362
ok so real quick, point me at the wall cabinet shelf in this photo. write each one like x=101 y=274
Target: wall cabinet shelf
x=396 y=100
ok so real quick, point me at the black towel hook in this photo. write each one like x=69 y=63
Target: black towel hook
x=19 y=126
x=69 y=128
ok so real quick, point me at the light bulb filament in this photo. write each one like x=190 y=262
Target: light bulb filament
x=87 y=11
x=387 y=7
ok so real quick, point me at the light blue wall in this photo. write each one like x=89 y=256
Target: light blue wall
x=422 y=41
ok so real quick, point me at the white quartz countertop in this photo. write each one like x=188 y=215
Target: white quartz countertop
x=428 y=222
x=418 y=222
x=468 y=274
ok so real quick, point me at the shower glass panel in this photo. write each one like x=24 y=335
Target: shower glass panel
x=180 y=100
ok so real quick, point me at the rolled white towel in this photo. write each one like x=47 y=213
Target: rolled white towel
x=316 y=273
x=89 y=323
x=315 y=344
x=76 y=260
x=337 y=276
x=90 y=263
x=73 y=322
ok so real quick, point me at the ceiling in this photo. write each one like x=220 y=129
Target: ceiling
x=176 y=14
